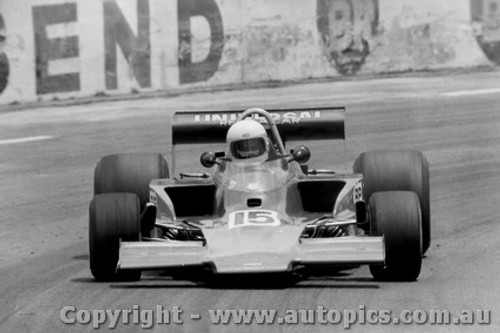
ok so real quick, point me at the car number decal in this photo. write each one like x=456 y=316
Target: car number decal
x=152 y=197
x=267 y=218
x=358 y=192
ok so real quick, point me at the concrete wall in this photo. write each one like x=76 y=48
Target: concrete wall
x=72 y=48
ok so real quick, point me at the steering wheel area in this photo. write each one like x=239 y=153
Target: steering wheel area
x=272 y=124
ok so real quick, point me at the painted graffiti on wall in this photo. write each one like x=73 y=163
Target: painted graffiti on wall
x=190 y=71
x=49 y=49
x=486 y=18
x=119 y=37
x=346 y=28
x=136 y=49
x=4 y=60
x=80 y=47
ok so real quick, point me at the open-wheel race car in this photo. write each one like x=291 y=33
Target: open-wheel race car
x=261 y=209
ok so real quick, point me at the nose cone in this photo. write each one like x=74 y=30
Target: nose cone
x=252 y=248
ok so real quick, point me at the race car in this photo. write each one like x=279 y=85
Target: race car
x=259 y=208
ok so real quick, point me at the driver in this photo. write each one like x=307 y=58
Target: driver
x=248 y=141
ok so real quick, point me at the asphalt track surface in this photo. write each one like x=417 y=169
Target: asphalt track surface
x=46 y=186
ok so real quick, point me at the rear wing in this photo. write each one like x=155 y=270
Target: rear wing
x=293 y=125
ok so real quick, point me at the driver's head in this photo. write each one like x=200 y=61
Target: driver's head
x=247 y=139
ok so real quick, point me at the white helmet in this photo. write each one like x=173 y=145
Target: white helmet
x=247 y=139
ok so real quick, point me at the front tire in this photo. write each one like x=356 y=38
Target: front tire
x=113 y=217
x=129 y=173
x=397 y=217
x=398 y=170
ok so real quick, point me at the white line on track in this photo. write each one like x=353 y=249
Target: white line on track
x=26 y=139
x=471 y=92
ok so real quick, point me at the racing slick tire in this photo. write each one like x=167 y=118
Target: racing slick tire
x=113 y=217
x=129 y=173
x=398 y=170
x=396 y=215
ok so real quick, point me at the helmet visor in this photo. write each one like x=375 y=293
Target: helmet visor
x=248 y=148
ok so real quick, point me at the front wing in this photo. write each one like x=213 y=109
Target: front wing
x=341 y=250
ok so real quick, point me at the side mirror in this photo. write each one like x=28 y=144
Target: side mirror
x=301 y=154
x=208 y=159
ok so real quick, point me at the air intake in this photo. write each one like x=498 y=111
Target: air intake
x=254 y=202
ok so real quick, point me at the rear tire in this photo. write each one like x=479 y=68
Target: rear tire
x=129 y=173
x=113 y=217
x=398 y=170
x=397 y=217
